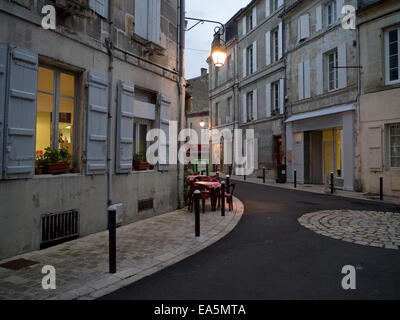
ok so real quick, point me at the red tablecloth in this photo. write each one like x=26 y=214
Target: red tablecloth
x=213 y=187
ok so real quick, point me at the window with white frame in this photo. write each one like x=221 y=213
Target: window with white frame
x=275 y=45
x=249 y=106
x=392 y=55
x=275 y=5
x=331 y=13
x=55 y=110
x=250 y=22
x=394 y=132
x=333 y=70
x=275 y=96
x=250 y=57
x=140 y=129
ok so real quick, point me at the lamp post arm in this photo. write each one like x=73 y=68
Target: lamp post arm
x=221 y=29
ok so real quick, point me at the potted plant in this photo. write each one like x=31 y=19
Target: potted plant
x=56 y=161
x=140 y=162
x=40 y=163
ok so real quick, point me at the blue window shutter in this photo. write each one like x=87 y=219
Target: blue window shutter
x=125 y=114
x=154 y=21
x=164 y=118
x=3 y=82
x=141 y=18
x=20 y=110
x=100 y=7
x=96 y=140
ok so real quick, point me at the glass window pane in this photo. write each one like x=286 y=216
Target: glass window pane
x=44 y=122
x=393 y=36
x=66 y=124
x=142 y=138
x=46 y=80
x=67 y=85
x=394 y=74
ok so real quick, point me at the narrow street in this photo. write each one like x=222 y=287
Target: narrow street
x=270 y=255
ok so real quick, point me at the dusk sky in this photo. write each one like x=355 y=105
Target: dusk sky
x=198 y=40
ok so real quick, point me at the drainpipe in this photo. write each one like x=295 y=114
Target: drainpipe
x=110 y=47
x=181 y=92
x=358 y=54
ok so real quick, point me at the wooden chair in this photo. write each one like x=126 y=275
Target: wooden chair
x=229 y=190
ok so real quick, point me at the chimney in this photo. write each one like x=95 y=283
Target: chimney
x=203 y=72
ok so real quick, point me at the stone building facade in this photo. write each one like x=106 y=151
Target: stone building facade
x=94 y=86
x=321 y=62
x=379 y=122
x=197 y=111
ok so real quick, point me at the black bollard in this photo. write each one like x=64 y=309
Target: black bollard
x=223 y=199
x=244 y=177
x=381 y=188
x=207 y=169
x=332 y=182
x=230 y=170
x=295 y=178
x=264 y=175
x=228 y=180
x=112 y=240
x=197 y=212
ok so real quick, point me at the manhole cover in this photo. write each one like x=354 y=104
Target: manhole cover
x=18 y=264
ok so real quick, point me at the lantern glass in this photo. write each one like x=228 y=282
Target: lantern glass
x=202 y=123
x=219 y=57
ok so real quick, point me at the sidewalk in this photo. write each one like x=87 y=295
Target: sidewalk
x=143 y=248
x=317 y=189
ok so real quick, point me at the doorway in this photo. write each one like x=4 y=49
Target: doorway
x=316 y=157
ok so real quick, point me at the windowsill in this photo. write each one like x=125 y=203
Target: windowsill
x=143 y=171
x=55 y=176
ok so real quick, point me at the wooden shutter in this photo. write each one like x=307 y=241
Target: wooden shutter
x=267 y=9
x=125 y=115
x=244 y=108
x=320 y=74
x=154 y=21
x=244 y=63
x=141 y=18
x=342 y=72
x=254 y=15
x=254 y=56
x=304 y=26
x=281 y=96
x=307 y=79
x=3 y=83
x=255 y=105
x=301 y=80
x=280 y=41
x=96 y=137
x=100 y=7
x=20 y=110
x=375 y=148
x=318 y=13
x=268 y=48
x=268 y=99
x=244 y=25
x=164 y=118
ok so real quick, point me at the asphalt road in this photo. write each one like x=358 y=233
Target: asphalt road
x=269 y=255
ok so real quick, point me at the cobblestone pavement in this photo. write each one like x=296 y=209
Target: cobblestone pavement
x=371 y=228
x=143 y=248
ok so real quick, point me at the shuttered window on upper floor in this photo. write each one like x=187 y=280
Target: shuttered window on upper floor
x=100 y=7
x=147 y=19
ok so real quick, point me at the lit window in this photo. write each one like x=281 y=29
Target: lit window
x=395 y=145
x=56 y=96
x=392 y=49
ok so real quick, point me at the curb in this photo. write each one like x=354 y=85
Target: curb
x=110 y=283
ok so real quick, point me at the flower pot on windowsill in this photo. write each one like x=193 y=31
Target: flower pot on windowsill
x=140 y=165
x=56 y=168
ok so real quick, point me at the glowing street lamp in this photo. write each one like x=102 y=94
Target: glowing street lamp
x=218 y=51
x=202 y=123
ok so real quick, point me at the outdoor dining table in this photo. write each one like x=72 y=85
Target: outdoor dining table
x=213 y=187
x=194 y=176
